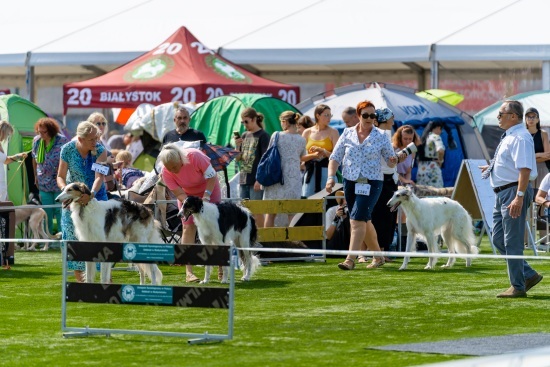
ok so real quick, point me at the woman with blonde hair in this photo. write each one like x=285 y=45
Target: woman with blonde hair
x=188 y=172
x=75 y=165
x=292 y=148
x=6 y=131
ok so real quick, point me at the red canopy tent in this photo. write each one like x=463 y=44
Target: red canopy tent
x=180 y=69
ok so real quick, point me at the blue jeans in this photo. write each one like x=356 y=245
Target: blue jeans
x=308 y=189
x=508 y=234
x=48 y=198
x=248 y=192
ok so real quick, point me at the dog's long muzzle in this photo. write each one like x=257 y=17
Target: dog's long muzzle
x=185 y=214
x=394 y=206
x=64 y=200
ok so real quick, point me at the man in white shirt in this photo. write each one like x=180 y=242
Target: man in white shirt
x=510 y=171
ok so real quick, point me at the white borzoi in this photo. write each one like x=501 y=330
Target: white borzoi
x=111 y=221
x=219 y=224
x=429 y=217
x=37 y=226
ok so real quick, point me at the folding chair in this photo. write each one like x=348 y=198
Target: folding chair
x=540 y=222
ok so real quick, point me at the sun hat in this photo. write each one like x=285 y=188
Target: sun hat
x=383 y=114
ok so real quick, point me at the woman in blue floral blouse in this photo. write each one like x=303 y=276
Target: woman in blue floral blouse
x=359 y=151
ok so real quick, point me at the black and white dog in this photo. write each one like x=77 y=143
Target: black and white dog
x=219 y=224
x=112 y=221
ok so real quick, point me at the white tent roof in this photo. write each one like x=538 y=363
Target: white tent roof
x=334 y=36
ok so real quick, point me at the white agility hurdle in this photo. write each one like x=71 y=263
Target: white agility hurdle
x=151 y=295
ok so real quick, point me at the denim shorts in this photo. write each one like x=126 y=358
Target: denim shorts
x=361 y=206
x=248 y=192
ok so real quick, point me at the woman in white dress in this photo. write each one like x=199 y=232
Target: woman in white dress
x=292 y=147
x=6 y=130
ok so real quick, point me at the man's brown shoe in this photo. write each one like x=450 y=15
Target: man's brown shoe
x=512 y=293
x=533 y=281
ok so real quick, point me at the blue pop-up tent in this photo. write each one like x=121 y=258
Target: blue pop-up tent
x=410 y=109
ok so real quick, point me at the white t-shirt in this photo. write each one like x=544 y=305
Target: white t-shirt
x=544 y=186
x=330 y=215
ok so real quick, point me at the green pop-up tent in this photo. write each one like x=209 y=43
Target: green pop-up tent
x=219 y=117
x=22 y=115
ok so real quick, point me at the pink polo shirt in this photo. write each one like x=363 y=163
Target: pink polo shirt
x=191 y=178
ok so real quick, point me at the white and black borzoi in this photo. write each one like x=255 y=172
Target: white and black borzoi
x=219 y=224
x=111 y=221
x=430 y=217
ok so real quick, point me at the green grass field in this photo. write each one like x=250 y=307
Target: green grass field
x=291 y=314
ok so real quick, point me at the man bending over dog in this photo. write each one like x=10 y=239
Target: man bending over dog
x=510 y=171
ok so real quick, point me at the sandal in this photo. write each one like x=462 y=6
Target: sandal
x=347 y=265
x=376 y=263
x=362 y=259
x=191 y=278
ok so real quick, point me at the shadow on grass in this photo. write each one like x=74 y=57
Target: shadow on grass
x=419 y=269
x=16 y=273
x=540 y=298
x=262 y=284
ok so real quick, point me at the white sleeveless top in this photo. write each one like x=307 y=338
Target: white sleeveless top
x=3 y=183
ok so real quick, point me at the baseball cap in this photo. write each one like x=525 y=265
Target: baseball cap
x=532 y=110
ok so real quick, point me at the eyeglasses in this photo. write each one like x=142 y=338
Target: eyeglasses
x=532 y=117
x=182 y=117
x=504 y=113
x=368 y=116
x=104 y=123
x=326 y=115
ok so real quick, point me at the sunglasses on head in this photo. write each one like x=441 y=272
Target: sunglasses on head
x=368 y=116
x=101 y=123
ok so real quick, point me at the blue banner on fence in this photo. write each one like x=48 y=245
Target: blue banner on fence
x=136 y=252
x=146 y=294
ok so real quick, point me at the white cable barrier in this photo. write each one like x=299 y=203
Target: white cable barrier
x=150 y=295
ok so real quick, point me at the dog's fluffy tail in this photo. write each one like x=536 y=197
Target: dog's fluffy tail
x=254 y=266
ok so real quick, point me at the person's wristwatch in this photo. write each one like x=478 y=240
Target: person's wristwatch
x=520 y=193
x=334 y=178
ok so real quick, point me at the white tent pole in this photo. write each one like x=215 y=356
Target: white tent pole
x=29 y=80
x=434 y=73
x=546 y=74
